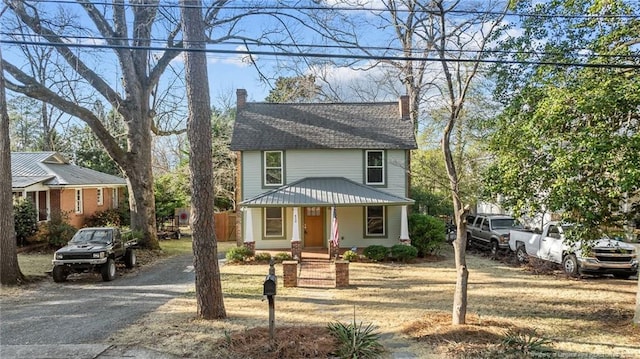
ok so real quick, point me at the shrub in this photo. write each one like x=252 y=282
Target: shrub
x=25 y=217
x=376 y=253
x=356 y=341
x=110 y=217
x=350 y=256
x=239 y=254
x=57 y=232
x=263 y=257
x=403 y=252
x=427 y=234
x=282 y=256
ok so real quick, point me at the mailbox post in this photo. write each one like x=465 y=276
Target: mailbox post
x=269 y=290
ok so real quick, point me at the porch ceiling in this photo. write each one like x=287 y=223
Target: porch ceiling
x=325 y=191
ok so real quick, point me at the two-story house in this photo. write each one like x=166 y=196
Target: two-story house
x=313 y=175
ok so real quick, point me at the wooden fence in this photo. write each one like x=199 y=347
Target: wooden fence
x=225 y=226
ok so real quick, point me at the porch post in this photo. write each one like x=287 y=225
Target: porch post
x=404 y=227
x=249 y=242
x=296 y=243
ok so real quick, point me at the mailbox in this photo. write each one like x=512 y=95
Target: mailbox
x=270 y=283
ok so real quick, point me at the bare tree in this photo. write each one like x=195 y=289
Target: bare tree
x=9 y=270
x=208 y=285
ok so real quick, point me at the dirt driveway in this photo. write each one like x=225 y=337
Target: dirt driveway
x=410 y=305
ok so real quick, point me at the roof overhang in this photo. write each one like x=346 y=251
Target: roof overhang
x=324 y=192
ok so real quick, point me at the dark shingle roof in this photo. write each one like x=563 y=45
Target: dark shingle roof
x=325 y=191
x=270 y=126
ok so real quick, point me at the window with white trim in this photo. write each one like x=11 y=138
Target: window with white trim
x=114 y=198
x=274 y=222
x=79 y=205
x=100 y=196
x=273 y=168
x=374 y=167
x=375 y=225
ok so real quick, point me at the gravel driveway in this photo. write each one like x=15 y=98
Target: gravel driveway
x=87 y=310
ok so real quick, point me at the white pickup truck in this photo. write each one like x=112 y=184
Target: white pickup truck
x=606 y=256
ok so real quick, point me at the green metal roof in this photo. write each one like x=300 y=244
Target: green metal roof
x=325 y=191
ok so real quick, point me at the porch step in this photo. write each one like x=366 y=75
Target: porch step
x=316 y=273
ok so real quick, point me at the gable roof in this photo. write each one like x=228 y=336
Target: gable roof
x=281 y=126
x=325 y=191
x=52 y=169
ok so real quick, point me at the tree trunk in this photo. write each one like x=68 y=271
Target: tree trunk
x=460 y=244
x=208 y=285
x=9 y=270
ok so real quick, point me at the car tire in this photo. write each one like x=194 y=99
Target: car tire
x=130 y=259
x=108 y=270
x=521 y=254
x=495 y=249
x=469 y=241
x=59 y=274
x=570 y=265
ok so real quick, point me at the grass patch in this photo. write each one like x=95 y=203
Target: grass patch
x=35 y=265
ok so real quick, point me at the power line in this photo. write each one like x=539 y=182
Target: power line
x=360 y=8
x=323 y=55
x=324 y=46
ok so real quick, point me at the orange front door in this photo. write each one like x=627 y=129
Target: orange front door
x=313 y=227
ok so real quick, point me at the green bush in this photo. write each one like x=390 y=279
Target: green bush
x=57 y=232
x=376 y=253
x=239 y=254
x=403 y=252
x=262 y=257
x=427 y=234
x=282 y=256
x=107 y=218
x=350 y=256
x=356 y=341
x=25 y=217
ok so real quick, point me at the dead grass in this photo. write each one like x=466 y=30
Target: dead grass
x=410 y=307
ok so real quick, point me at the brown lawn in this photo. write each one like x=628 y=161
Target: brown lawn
x=410 y=306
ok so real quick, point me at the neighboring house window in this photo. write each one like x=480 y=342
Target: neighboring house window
x=79 y=201
x=375 y=167
x=274 y=222
x=114 y=198
x=375 y=221
x=273 y=168
x=100 y=196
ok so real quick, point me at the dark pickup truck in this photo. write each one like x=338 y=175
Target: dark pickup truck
x=94 y=249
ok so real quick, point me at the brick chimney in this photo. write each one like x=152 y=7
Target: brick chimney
x=241 y=98
x=404 y=107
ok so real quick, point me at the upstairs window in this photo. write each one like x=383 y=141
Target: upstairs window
x=375 y=167
x=273 y=168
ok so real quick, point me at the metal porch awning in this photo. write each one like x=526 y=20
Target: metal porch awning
x=325 y=191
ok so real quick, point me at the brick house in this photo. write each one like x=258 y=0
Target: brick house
x=53 y=184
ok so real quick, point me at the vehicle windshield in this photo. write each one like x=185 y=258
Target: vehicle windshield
x=92 y=236
x=500 y=223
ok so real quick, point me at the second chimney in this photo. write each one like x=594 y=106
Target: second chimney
x=404 y=107
x=241 y=98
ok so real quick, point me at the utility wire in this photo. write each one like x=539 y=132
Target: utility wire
x=324 y=55
x=320 y=46
x=353 y=8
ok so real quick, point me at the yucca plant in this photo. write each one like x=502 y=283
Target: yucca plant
x=526 y=342
x=356 y=341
